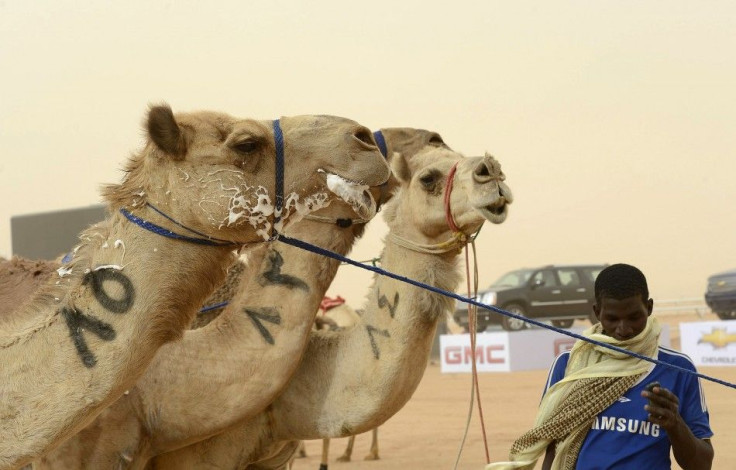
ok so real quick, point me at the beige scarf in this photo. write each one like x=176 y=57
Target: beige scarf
x=595 y=378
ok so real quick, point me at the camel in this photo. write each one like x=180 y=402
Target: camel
x=230 y=369
x=336 y=316
x=354 y=380
x=193 y=195
x=345 y=457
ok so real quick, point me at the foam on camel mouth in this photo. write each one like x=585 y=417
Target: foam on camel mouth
x=356 y=195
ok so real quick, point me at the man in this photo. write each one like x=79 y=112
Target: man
x=596 y=413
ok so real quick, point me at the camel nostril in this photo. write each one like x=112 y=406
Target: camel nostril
x=366 y=136
x=482 y=173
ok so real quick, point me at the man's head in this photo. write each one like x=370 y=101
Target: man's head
x=622 y=302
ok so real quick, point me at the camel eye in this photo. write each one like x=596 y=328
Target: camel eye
x=247 y=146
x=429 y=179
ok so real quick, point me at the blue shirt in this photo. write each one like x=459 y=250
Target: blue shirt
x=621 y=436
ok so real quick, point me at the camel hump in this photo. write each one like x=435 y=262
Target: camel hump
x=164 y=131
x=20 y=278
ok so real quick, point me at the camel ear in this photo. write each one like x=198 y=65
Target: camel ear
x=165 y=132
x=400 y=167
x=435 y=140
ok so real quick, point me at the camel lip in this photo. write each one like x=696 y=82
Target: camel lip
x=354 y=194
x=494 y=213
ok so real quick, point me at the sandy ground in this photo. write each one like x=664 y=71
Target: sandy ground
x=427 y=432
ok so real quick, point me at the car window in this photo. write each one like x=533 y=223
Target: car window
x=591 y=273
x=513 y=279
x=568 y=277
x=546 y=278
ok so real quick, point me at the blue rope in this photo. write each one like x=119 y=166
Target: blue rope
x=213 y=307
x=321 y=251
x=381 y=141
x=185 y=227
x=151 y=227
x=278 y=138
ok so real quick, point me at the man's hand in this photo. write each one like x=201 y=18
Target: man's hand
x=690 y=452
x=663 y=408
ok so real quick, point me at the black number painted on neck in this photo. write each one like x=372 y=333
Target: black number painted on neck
x=79 y=323
x=272 y=275
x=384 y=302
x=375 y=331
x=267 y=314
x=96 y=280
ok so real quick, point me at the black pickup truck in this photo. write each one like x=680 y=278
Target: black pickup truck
x=560 y=294
x=721 y=294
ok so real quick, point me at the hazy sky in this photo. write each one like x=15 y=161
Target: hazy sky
x=615 y=121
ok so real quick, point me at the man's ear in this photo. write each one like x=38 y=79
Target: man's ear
x=650 y=306
x=597 y=312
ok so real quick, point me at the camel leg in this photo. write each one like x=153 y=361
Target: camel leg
x=373 y=454
x=345 y=457
x=301 y=451
x=325 y=454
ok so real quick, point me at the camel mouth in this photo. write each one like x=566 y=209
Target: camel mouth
x=495 y=212
x=356 y=195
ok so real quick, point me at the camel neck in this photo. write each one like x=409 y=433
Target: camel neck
x=249 y=350
x=116 y=291
x=360 y=377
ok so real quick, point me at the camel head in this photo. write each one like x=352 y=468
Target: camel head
x=403 y=141
x=407 y=142
x=478 y=193
x=216 y=174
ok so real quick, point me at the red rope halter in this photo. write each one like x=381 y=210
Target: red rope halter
x=472 y=309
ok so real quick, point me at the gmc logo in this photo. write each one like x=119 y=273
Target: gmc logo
x=483 y=354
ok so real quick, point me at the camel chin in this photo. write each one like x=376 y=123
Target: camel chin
x=356 y=195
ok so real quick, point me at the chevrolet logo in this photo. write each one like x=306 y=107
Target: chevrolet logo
x=718 y=338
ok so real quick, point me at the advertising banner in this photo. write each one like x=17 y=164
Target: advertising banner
x=711 y=343
x=504 y=351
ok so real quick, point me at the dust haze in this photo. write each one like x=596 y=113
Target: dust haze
x=613 y=121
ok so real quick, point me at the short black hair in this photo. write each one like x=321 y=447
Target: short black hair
x=620 y=281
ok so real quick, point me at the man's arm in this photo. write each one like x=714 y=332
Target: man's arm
x=690 y=452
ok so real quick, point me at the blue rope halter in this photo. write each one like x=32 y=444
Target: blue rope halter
x=278 y=137
x=158 y=230
x=381 y=142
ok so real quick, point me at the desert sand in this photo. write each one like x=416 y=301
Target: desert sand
x=427 y=432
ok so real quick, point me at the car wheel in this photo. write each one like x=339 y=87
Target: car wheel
x=563 y=323
x=727 y=315
x=512 y=324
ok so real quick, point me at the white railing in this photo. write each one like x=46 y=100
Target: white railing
x=681 y=306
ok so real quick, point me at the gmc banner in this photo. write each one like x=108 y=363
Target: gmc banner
x=505 y=351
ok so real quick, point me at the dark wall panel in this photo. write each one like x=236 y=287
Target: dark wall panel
x=51 y=234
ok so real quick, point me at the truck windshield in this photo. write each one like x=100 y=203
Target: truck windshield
x=513 y=278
